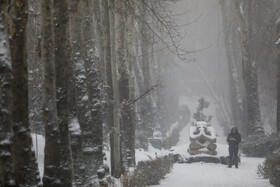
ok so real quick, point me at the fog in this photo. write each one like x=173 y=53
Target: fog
x=205 y=73
x=204 y=37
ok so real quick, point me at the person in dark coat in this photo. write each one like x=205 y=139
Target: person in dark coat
x=233 y=140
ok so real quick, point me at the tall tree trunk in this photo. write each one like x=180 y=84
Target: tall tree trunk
x=116 y=147
x=84 y=109
x=6 y=133
x=146 y=112
x=250 y=75
x=130 y=110
x=278 y=77
x=26 y=169
x=80 y=88
x=51 y=162
x=93 y=81
x=98 y=28
x=62 y=68
x=123 y=82
x=237 y=108
x=139 y=84
x=74 y=126
x=108 y=77
x=278 y=94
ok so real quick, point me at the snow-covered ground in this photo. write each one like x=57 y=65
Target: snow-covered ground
x=195 y=174
x=208 y=174
x=216 y=175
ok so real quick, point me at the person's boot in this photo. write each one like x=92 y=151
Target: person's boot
x=236 y=166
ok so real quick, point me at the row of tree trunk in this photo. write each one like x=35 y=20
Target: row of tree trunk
x=249 y=30
x=95 y=59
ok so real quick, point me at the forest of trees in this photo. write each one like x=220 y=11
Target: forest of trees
x=251 y=44
x=78 y=72
x=251 y=30
x=250 y=36
x=89 y=76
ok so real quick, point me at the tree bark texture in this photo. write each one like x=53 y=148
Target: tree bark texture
x=116 y=147
x=237 y=108
x=26 y=169
x=62 y=69
x=93 y=81
x=250 y=74
x=51 y=162
x=6 y=133
x=130 y=109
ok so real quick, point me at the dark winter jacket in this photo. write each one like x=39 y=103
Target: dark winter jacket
x=233 y=139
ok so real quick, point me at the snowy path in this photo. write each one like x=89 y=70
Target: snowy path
x=208 y=174
x=216 y=175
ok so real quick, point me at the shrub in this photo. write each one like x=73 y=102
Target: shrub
x=148 y=172
x=270 y=169
x=275 y=140
x=173 y=138
x=258 y=145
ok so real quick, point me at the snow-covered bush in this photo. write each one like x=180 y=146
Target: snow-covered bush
x=172 y=138
x=148 y=172
x=275 y=140
x=270 y=169
x=260 y=145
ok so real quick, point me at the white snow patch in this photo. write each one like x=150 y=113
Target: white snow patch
x=241 y=9
x=85 y=98
x=6 y=142
x=5 y=154
x=278 y=21
x=277 y=42
x=4 y=47
x=39 y=151
x=74 y=126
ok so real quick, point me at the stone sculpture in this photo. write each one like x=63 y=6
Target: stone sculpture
x=203 y=139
